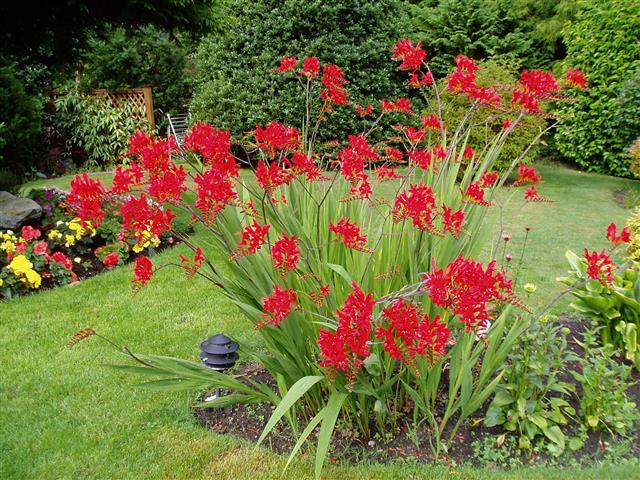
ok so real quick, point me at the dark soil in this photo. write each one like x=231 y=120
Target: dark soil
x=248 y=421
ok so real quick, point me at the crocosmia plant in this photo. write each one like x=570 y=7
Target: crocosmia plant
x=356 y=260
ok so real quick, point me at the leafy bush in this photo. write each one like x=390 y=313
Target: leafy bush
x=20 y=124
x=603 y=41
x=610 y=297
x=234 y=84
x=94 y=127
x=374 y=270
x=148 y=56
x=532 y=399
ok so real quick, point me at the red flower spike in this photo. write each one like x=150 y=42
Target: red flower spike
x=383 y=173
x=277 y=306
x=465 y=288
x=411 y=57
x=333 y=80
x=349 y=235
x=612 y=235
x=432 y=121
x=468 y=153
x=418 y=204
x=575 y=78
x=401 y=105
x=252 y=237
x=143 y=220
x=169 y=186
x=599 y=267
x=214 y=146
x=214 y=192
x=272 y=176
x=345 y=349
x=142 y=272
x=526 y=175
x=318 y=297
x=287 y=64
x=285 y=254
x=417 y=81
x=364 y=111
x=422 y=158
x=304 y=165
x=86 y=198
x=452 y=222
x=310 y=67
x=138 y=142
x=407 y=333
x=352 y=164
x=475 y=194
x=277 y=137
x=488 y=179
x=190 y=266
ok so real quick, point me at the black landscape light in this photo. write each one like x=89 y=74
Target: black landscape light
x=219 y=353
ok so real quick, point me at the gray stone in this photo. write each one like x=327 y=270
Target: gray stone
x=15 y=211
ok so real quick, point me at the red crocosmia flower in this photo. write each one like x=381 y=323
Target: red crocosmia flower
x=213 y=145
x=123 y=180
x=252 y=237
x=488 y=179
x=418 y=204
x=432 y=121
x=401 y=105
x=352 y=164
x=531 y=194
x=506 y=124
x=407 y=333
x=142 y=272
x=614 y=238
x=538 y=83
x=319 y=296
x=575 y=78
x=214 y=192
x=111 y=260
x=526 y=175
x=468 y=153
x=333 y=80
x=438 y=152
x=599 y=266
x=276 y=137
x=386 y=106
x=139 y=141
x=475 y=194
x=190 y=266
x=41 y=248
x=349 y=234
x=364 y=112
x=285 y=254
x=86 y=198
x=304 y=165
x=271 y=176
x=277 y=306
x=30 y=233
x=310 y=67
x=465 y=288
x=414 y=135
x=452 y=222
x=144 y=220
x=169 y=186
x=287 y=64
x=412 y=57
x=62 y=259
x=423 y=81
x=383 y=173
x=156 y=157
x=526 y=101
x=345 y=349
x=422 y=158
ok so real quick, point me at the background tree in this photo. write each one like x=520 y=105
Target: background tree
x=235 y=85
x=603 y=121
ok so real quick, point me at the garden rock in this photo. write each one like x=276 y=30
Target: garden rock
x=15 y=211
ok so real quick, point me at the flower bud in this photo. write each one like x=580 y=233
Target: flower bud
x=530 y=288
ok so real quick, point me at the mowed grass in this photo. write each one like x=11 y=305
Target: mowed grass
x=65 y=414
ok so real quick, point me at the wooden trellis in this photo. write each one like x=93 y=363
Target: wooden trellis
x=140 y=99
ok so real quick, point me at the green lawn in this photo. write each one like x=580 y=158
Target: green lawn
x=65 y=415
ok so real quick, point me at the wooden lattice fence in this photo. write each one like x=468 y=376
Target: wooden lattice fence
x=140 y=99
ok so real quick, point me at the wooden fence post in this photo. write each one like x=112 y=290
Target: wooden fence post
x=148 y=105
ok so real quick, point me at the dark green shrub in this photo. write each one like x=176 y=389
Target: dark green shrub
x=21 y=120
x=94 y=127
x=603 y=42
x=148 y=56
x=235 y=87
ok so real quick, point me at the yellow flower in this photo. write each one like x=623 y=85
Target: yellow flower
x=33 y=278
x=20 y=264
x=69 y=240
x=53 y=234
x=1 y=282
x=8 y=246
x=77 y=259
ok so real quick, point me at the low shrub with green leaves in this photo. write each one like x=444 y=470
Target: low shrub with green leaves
x=95 y=132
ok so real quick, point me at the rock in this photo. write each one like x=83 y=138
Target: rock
x=15 y=211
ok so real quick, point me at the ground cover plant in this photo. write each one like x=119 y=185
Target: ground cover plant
x=409 y=298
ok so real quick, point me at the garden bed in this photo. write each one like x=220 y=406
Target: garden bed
x=474 y=443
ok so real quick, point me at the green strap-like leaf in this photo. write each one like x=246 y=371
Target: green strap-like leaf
x=295 y=392
x=326 y=430
x=305 y=434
